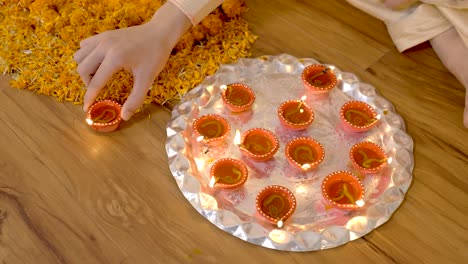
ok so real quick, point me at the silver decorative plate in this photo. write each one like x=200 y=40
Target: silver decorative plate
x=315 y=225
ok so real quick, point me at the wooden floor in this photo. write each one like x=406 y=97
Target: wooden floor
x=68 y=195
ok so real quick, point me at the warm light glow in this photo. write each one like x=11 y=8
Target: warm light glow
x=305 y=166
x=223 y=87
x=331 y=67
x=301 y=189
x=377 y=117
x=280 y=224
x=360 y=203
x=237 y=138
x=303 y=98
x=200 y=163
x=279 y=236
x=212 y=182
x=200 y=138
x=301 y=111
x=89 y=121
x=389 y=160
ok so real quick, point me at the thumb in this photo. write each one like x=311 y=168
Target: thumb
x=141 y=85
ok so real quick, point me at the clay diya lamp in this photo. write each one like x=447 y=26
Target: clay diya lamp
x=259 y=144
x=104 y=116
x=304 y=153
x=343 y=190
x=238 y=97
x=318 y=78
x=276 y=203
x=368 y=157
x=358 y=116
x=295 y=115
x=228 y=173
x=211 y=129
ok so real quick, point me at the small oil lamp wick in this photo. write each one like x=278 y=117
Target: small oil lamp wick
x=237 y=139
x=312 y=79
x=301 y=103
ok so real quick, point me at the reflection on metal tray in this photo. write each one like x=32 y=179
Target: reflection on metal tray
x=315 y=225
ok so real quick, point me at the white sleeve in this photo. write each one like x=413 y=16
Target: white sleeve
x=196 y=10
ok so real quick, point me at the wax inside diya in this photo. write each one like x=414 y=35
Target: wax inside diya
x=358 y=116
x=258 y=144
x=276 y=203
x=343 y=190
x=368 y=156
x=104 y=116
x=296 y=113
x=318 y=78
x=228 y=173
x=211 y=127
x=304 y=153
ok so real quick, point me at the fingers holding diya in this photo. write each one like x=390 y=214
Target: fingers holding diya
x=237 y=97
x=212 y=129
x=368 y=157
x=358 y=116
x=304 y=153
x=275 y=203
x=228 y=173
x=295 y=114
x=104 y=116
x=343 y=190
x=258 y=144
x=318 y=78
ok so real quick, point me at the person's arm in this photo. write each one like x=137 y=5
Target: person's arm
x=143 y=50
x=196 y=10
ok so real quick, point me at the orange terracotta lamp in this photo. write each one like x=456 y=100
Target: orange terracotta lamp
x=259 y=144
x=343 y=190
x=276 y=204
x=104 y=116
x=368 y=157
x=318 y=79
x=358 y=116
x=238 y=97
x=304 y=153
x=211 y=129
x=228 y=173
x=295 y=115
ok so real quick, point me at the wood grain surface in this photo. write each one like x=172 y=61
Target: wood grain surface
x=70 y=195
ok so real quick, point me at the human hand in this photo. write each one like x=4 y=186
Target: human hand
x=143 y=50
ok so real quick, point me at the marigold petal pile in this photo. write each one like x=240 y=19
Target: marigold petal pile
x=38 y=39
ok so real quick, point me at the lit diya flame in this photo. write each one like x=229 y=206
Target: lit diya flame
x=280 y=224
x=89 y=121
x=223 y=87
x=360 y=203
x=303 y=98
x=200 y=138
x=237 y=138
x=212 y=182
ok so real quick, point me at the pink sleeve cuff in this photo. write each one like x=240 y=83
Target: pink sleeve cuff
x=196 y=10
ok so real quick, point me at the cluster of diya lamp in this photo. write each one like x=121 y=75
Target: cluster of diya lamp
x=276 y=203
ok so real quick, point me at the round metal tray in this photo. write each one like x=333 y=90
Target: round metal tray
x=315 y=225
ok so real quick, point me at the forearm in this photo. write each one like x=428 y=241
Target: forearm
x=196 y=10
x=177 y=22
